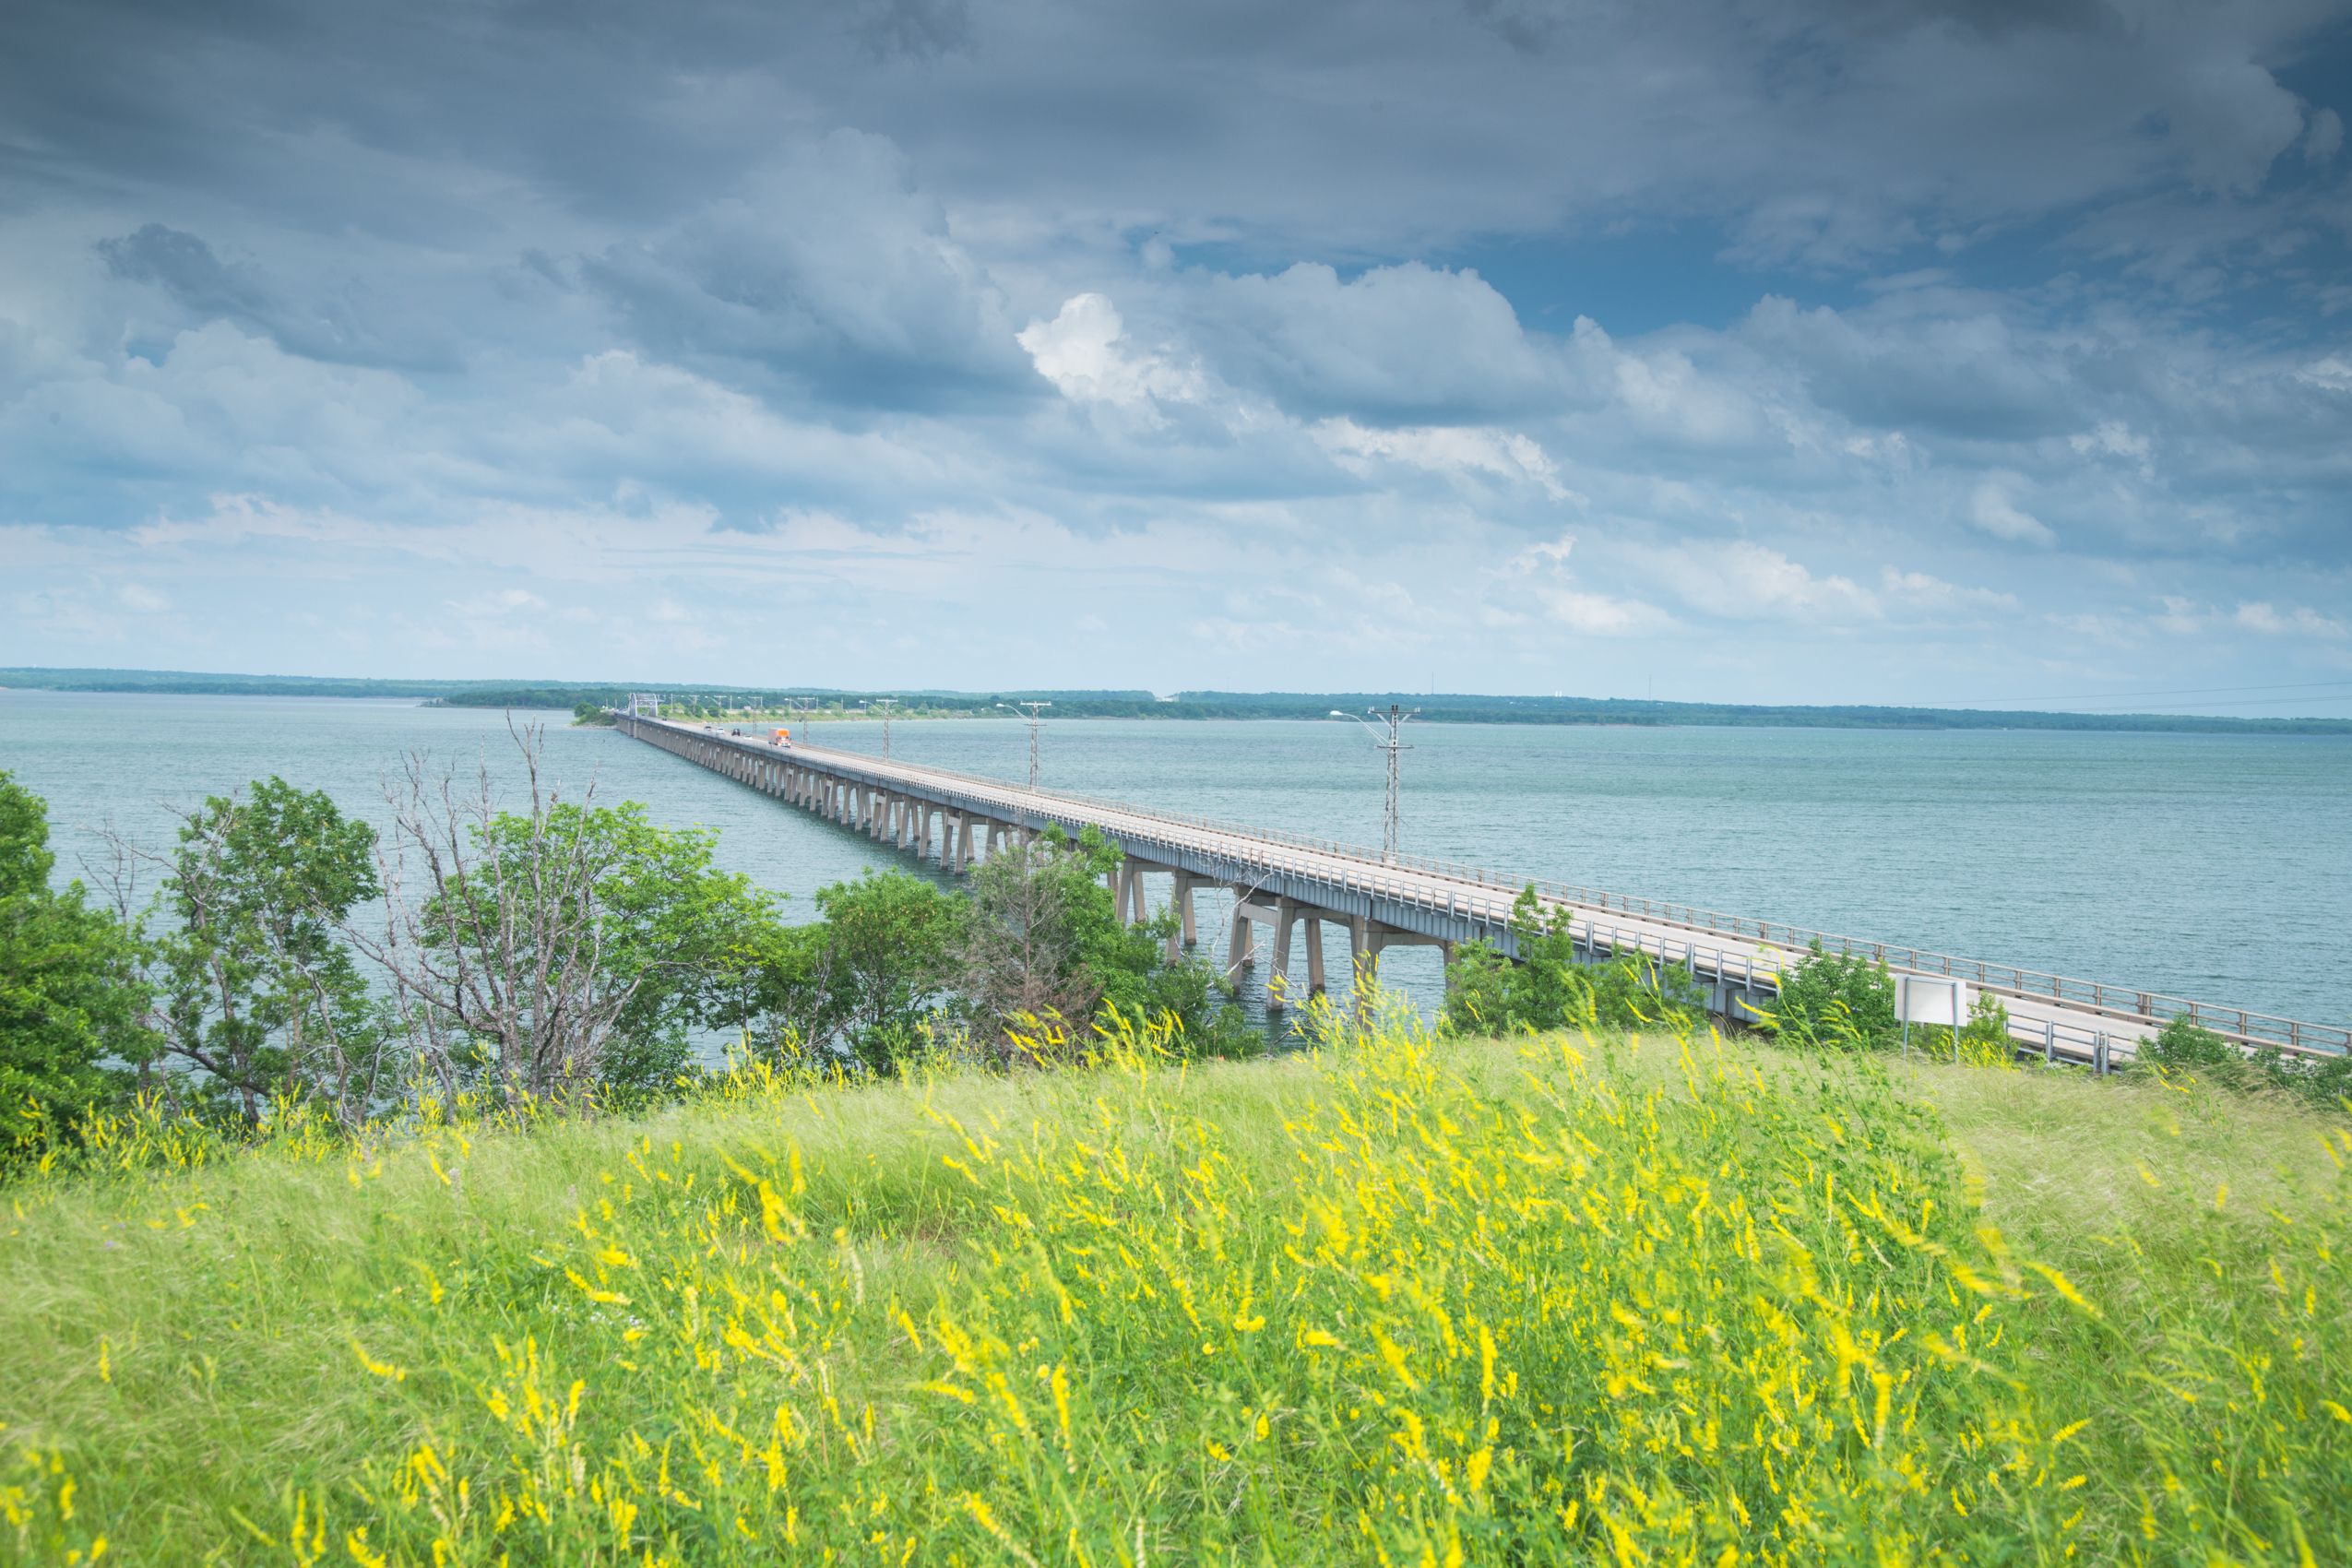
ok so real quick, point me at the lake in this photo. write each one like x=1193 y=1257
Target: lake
x=2213 y=867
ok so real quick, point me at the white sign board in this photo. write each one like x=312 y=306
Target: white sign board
x=1930 y=999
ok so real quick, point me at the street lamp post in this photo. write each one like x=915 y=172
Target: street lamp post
x=1390 y=740
x=1032 y=709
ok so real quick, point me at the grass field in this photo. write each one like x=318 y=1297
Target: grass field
x=1403 y=1301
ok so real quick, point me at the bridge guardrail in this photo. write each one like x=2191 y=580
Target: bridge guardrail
x=2128 y=1006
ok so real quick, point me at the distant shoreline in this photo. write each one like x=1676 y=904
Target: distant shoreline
x=1433 y=707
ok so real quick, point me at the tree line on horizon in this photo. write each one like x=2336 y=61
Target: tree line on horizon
x=716 y=701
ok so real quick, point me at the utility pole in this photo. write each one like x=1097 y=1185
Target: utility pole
x=1390 y=740
x=884 y=705
x=1032 y=709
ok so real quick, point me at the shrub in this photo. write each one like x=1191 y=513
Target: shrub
x=1548 y=987
x=2188 y=1048
x=1836 y=999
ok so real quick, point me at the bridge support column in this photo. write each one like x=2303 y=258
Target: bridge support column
x=1241 y=942
x=1314 y=954
x=1187 y=933
x=1133 y=907
x=1286 y=915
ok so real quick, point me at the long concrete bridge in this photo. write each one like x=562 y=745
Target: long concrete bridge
x=1293 y=886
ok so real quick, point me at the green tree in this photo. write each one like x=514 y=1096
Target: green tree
x=258 y=996
x=1043 y=945
x=70 y=995
x=889 y=954
x=1548 y=987
x=863 y=984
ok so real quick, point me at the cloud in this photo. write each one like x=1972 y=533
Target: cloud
x=1505 y=454
x=832 y=271
x=1923 y=591
x=1740 y=580
x=1537 y=579
x=1083 y=350
x=1991 y=511
x=2296 y=621
x=337 y=325
x=897 y=330
x=1409 y=344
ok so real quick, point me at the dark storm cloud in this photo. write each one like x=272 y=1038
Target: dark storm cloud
x=328 y=326
x=1361 y=125
x=831 y=273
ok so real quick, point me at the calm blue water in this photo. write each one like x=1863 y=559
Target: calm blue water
x=2213 y=867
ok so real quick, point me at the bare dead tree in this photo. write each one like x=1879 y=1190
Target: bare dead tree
x=493 y=931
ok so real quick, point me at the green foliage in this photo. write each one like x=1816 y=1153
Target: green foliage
x=70 y=996
x=1835 y=999
x=2184 y=1045
x=592 y=715
x=864 y=985
x=644 y=907
x=2184 y=1049
x=1047 y=960
x=259 y=997
x=1550 y=988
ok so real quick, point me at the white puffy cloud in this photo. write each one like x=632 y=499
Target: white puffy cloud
x=1084 y=352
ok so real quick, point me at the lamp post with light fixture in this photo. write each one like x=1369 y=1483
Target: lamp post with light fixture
x=1032 y=709
x=1388 y=737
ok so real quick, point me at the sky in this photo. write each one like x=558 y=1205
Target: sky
x=1981 y=353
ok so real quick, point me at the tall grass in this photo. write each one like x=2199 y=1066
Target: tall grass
x=1403 y=1301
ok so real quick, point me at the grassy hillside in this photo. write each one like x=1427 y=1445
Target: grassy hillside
x=1403 y=1302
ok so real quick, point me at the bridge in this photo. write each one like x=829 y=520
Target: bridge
x=1291 y=887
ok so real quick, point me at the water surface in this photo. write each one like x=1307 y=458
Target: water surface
x=2214 y=867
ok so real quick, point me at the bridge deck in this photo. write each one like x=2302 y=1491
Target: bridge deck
x=1427 y=900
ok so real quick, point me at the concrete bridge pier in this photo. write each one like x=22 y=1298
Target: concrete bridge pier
x=1241 y=941
x=1187 y=932
x=1127 y=895
x=1287 y=914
